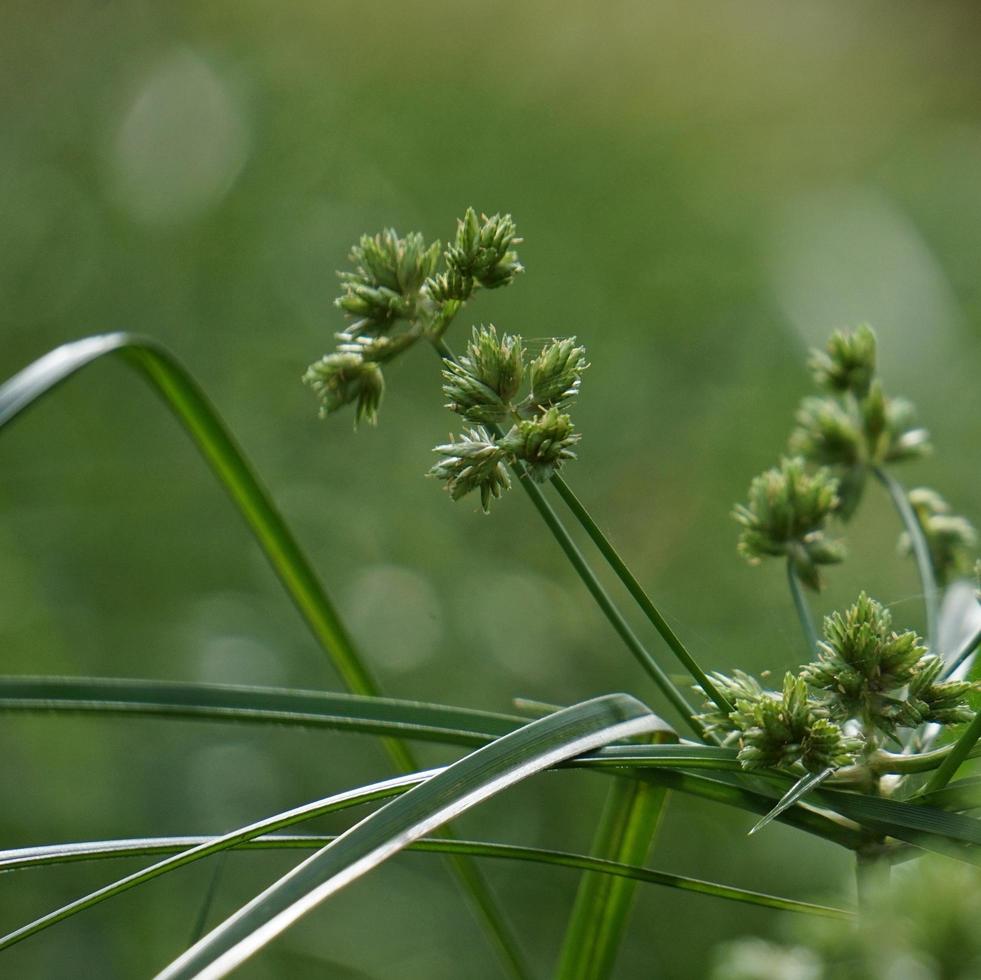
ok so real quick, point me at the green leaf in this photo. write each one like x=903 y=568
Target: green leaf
x=220 y=702
x=185 y=399
x=33 y=857
x=798 y=791
x=478 y=776
x=599 y=917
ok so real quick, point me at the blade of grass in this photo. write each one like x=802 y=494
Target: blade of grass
x=34 y=857
x=475 y=778
x=215 y=845
x=921 y=550
x=233 y=703
x=730 y=790
x=959 y=753
x=598 y=922
x=185 y=399
x=798 y=791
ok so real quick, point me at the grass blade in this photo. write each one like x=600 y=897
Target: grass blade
x=185 y=399
x=959 y=753
x=798 y=791
x=599 y=917
x=34 y=857
x=233 y=703
x=478 y=776
x=215 y=845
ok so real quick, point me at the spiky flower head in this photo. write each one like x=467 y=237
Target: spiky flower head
x=344 y=377
x=556 y=373
x=739 y=687
x=481 y=385
x=474 y=462
x=787 y=514
x=847 y=363
x=862 y=663
x=933 y=700
x=384 y=285
x=779 y=731
x=482 y=251
x=891 y=430
x=950 y=537
x=543 y=443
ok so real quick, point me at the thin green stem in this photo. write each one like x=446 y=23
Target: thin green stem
x=921 y=550
x=595 y=587
x=627 y=828
x=609 y=552
x=803 y=610
x=959 y=753
x=970 y=645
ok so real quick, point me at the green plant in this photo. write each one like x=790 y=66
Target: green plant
x=839 y=752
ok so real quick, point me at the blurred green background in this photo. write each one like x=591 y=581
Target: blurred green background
x=705 y=190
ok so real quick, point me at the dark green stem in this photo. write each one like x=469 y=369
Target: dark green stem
x=965 y=651
x=803 y=610
x=640 y=596
x=921 y=550
x=958 y=754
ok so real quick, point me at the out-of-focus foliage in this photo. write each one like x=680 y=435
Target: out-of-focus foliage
x=703 y=194
x=921 y=924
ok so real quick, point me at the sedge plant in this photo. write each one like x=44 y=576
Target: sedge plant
x=843 y=748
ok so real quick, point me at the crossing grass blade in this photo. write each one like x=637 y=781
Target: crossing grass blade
x=209 y=846
x=798 y=791
x=461 y=786
x=634 y=809
x=192 y=408
x=52 y=854
x=277 y=706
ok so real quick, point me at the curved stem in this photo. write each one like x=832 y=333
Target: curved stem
x=803 y=610
x=921 y=550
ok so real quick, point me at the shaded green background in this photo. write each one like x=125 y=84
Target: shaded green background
x=705 y=189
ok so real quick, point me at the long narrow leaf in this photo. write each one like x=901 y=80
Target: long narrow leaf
x=185 y=399
x=214 y=845
x=224 y=702
x=34 y=857
x=598 y=922
x=480 y=775
x=798 y=791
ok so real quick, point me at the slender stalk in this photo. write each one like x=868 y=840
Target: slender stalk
x=961 y=751
x=921 y=550
x=630 y=822
x=803 y=610
x=595 y=587
x=970 y=645
x=609 y=552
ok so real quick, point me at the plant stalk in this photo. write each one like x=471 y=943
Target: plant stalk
x=921 y=550
x=592 y=583
x=803 y=610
